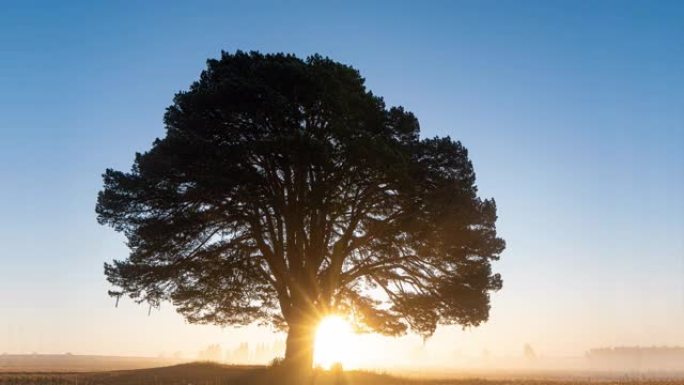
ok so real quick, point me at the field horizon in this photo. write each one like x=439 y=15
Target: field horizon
x=115 y=368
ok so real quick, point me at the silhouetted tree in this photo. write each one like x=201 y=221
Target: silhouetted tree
x=284 y=191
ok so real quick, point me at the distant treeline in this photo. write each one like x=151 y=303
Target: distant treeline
x=638 y=357
x=244 y=353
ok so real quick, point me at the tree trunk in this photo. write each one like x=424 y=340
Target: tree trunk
x=299 y=346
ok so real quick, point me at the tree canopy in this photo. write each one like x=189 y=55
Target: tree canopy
x=284 y=190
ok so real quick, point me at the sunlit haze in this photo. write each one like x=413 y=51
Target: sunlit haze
x=337 y=344
x=573 y=117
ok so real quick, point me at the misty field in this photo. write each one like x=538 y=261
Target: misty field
x=215 y=374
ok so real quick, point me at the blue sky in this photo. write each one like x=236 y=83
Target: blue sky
x=573 y=113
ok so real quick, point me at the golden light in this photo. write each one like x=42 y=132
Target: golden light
x=335 y=343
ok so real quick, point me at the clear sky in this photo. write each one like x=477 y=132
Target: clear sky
x=573 y=113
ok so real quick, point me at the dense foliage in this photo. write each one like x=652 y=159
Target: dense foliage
x=284 y=190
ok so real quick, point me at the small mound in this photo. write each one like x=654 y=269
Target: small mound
x=186 y=374
x=209 y=373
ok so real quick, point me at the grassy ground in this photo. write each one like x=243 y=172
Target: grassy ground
x=215 y=374
x=194 y=374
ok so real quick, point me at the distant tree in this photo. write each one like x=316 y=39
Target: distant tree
x=239 y=355
x=284 y=191
x=211 y=353
x=529 y=352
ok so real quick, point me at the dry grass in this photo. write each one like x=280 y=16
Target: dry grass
x=215 y=374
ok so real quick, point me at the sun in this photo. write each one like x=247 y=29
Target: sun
x=335 y=343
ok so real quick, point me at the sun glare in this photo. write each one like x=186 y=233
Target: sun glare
x=334 y=343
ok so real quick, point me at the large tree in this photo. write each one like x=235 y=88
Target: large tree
x=284 y=191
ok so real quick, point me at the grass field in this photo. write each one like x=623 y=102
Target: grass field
x=215 y=374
